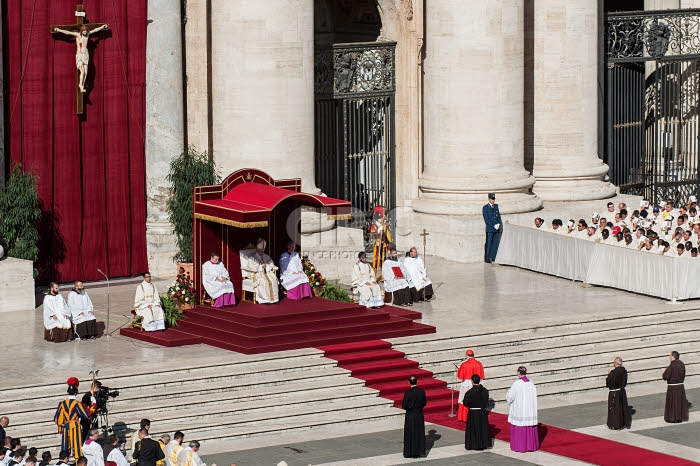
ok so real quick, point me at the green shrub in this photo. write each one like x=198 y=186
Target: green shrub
x=20 y=213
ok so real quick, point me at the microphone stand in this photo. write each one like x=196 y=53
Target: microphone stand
x=452 y=410
x=107 y=334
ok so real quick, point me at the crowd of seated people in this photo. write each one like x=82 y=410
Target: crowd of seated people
x=665 y=229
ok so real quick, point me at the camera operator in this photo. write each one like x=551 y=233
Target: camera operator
x=90 y=402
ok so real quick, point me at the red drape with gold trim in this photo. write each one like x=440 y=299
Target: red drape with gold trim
x=91 y=168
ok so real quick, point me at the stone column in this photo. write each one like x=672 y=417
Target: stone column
x=263 y=87
x=473 y=102
x=564 y=102
x=2 y=119
x=164 y=127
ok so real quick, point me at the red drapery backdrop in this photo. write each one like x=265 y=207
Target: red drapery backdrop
x=91 y=167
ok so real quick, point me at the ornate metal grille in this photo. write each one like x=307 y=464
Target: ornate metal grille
x=355 y=143
x=652 y=85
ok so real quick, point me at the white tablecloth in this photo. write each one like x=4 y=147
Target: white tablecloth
x=599 y=264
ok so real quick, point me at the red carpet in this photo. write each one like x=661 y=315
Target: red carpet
x=257 y=328
x=387 y=370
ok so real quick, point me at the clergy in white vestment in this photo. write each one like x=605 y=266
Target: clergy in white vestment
x=292 y=275
x=395 y=281
x=365 y=283
x=189 y=456
x=82 y=312
x=522 y=413
x=114 y=454
x=92 y=450
x=418 y=281
x=217 y=282
x=147 y=305
x=56 y=317
x=261 y=269
x=173 y=448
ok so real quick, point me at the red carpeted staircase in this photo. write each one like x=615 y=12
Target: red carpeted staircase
x=387 y=371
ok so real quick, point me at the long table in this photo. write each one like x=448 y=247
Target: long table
x=599 y=264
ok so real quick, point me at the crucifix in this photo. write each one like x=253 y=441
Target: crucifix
x=424 y=234
x=81 y=31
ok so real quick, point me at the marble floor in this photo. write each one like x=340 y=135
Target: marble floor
x=470 y=299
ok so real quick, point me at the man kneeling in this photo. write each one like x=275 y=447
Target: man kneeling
x=217 y=282
x=292 y=275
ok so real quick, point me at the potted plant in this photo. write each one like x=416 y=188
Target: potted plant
x=189 y=169
x=20 y=213
x=182 y=291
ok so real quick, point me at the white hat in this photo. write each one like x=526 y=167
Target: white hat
x=261 y=243
x=662 y=204
x=693 y=199
x=570 y=223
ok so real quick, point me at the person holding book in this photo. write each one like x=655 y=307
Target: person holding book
x=396 y=287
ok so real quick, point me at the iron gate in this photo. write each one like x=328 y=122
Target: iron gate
x=355 y=149
x=652 y=126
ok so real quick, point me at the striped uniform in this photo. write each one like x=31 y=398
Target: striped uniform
x=68 y=415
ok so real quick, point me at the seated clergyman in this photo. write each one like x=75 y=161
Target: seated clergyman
x=395 y=281
x=83 y=312
x=147 y=305
x=365 y=282
x=217 y=282
x=260 y=268
x=292 y=275
x=56 y=316
x=417 y=277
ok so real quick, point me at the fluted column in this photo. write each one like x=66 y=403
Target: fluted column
x=565 y=102
x=263 y=87
x=473 y=104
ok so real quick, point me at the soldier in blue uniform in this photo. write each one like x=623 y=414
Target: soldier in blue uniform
x=492 y=218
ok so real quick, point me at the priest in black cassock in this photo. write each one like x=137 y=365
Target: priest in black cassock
x=414 y=425
x=676 y=402
x=477 y=435
x=618 y=410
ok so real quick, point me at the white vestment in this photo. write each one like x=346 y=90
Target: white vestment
x=391 y=281
x=370 y=295
x=118 y=457
x=291 y=271
x=80 y=306
x=210 y=274
x=522 y=400
x=171 y=450
x=55 y=306
x=189 y=457
x=261 y=270
x=415 y=272
x=147 y=305
x=94 y=454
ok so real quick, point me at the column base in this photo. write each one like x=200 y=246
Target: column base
x=582 y=184
x=160 y=245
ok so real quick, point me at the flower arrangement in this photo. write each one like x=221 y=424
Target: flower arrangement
x=182 y=291
x=316 y=280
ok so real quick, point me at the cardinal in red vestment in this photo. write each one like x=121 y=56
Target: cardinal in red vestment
x=468 y=368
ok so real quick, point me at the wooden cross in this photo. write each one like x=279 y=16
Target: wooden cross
x=82 y=56
x=424 y=234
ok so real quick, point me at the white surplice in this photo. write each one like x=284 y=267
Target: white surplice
x=210 y=275
x=147 y=305
x=522 y=400
x=117 y=456
x=370 y=295
x=291 y=271
x=171 y=450
x=391 y=281
x=189 y=457
x=415 y=272
x=80 y=306
x=93 y=452
x=261 y=270
x=55 y=306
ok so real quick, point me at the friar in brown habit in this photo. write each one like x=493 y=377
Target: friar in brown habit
x=618 y=410
x=676 y=402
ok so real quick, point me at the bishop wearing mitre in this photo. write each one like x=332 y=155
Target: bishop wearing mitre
x=147 y=305
x=292 y=275
x=260 y=268
x=217 y=282
x=365 y=282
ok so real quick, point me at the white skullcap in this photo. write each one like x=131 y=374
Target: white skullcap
x=570 y=223
x=693 y=199
x=662 y=204
x=261 y=243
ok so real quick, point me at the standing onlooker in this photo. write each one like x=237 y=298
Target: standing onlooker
x=477 y=435
x=414 y=424
x=676 y=403
x=522 y=413
x=468 y=368
x=4 y=422
x=492 y=218
x=618 y=410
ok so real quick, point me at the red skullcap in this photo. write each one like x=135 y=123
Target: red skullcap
x=470 y=352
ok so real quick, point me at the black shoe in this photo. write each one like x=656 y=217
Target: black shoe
x=488 y=261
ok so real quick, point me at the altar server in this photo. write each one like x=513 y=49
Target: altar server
x=395 y=281
x=56 y=317
x=365 y=282
x=147 y=305
x=292 y=275
x=217 y=282
x=417 y=277
x=261 y=269
x=522 y=413
x=82 y=312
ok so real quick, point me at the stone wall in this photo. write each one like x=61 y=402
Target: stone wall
x=16 y=285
